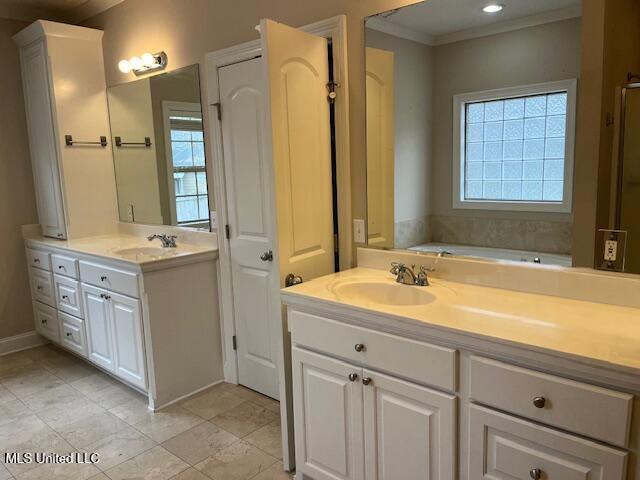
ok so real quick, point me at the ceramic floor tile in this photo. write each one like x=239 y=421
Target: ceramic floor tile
x=10 y=363
x=12 y=410
x=93 y=383
x=4 y=473
x=167 y=423
x=212 y=402
x=119 y=447
x=114 y=395
x=46 y=441
x=240 y=461
x=21 y=430
x=58 y=417
x=240 y=391
x=62 y=395
x=34 y=381
x=6 y=395
x=91 y=429
x=67 y=471
x=71 y=370
x=274 y=472
x=200 y=442
x=190 y=474
x=133 y=411
x=244 y=419
x=154 y=464
x=268 y=439
x=100 y=476
x=268 y=403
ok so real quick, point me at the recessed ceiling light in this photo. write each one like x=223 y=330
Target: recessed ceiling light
x=494 y=8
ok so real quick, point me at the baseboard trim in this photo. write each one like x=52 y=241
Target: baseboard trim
x=20 y=342
x=179 y=399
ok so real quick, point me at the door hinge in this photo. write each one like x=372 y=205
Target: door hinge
x=218 y=106
x=235 y=342
x=227 y=231
x=331 y=88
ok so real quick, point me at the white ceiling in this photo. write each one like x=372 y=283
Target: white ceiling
x=439 y=20
x=60 y=10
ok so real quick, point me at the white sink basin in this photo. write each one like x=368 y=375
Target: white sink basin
x=136 y=253
x=382 y=293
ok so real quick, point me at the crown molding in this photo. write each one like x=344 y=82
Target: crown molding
x=14 y=10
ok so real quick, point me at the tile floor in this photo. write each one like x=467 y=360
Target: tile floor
x=51 y=401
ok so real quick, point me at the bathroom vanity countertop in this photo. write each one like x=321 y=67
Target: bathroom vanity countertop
x=110 y=247
x=602 y=335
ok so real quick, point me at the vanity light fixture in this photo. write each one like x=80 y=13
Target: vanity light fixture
x=145 y=63
x=493 y=8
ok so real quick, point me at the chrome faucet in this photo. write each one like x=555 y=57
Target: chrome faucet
x=168 y=241
x=407 y=276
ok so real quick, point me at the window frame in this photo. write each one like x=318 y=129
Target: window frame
x=168 y=108
x=459 y=132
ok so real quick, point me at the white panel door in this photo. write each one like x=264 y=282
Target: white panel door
x=126 y=325
x=502 y=447
x=410 y=431
x=98 y=323
x=297 y=73
x=251 y=219
x=380 y=147
x=328 y=417
x=42 y=145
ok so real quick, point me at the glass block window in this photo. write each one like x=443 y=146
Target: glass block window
x=513 y=148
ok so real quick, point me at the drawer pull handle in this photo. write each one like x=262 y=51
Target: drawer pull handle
x=539 y=402
x=366 y=380
x=43 y=321
x=103 y=278
x=65 y=297
x=36 y=260
x=353 y=377
x=105 y=296
x=69 y=334
x=535 y=473
x=360 y=347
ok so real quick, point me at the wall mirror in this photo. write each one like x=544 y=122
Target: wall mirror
x=158 y=150
x=474 y=117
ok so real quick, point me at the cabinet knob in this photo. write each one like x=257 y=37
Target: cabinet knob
x=61 y=267
x=366 y=380
x=105 y=296
x=65 y=297
x=36 y=260
x=69 y=334
x=539 y=402
x=535 y=473
x=360 y=347
x=353 y=377
x=39 y=287
x=43 y=321
x=103 y=278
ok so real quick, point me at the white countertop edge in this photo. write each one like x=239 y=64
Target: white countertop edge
x=564 y=363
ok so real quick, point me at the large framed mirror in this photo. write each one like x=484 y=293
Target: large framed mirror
x=472 y=114
x=159 y=153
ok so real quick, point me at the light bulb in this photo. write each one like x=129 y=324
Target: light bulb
x=494 y=8
x=148 y=60
x=136 y=63
x=124 y=66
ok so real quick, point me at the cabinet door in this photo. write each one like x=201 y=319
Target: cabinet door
x=328 y=417
x=126 y=323
x=410 y=431
x=502 y=447
x=42 y=144
x=99 y=331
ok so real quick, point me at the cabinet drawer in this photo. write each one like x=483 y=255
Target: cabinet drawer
x=419 y=361
x=68 y=295
x=502 y=447
x=64 y=265
x=46 y=321
x=110 y=278
x=42 y=286
x=578 y=407
x=39 y=258
x=72 y=333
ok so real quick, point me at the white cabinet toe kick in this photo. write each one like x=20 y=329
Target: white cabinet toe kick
x=155 y=331
x=369 y=404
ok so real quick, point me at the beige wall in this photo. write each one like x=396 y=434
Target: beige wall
x=539 y=54
x=187 y=30
x=17 y=197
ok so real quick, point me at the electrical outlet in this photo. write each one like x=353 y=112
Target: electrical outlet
x=611 y=250
x=358 y=231
x=214 y=220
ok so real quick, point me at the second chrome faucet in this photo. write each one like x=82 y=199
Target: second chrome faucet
x=406 y=274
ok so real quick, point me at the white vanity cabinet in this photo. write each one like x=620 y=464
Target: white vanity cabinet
x=355 y=422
